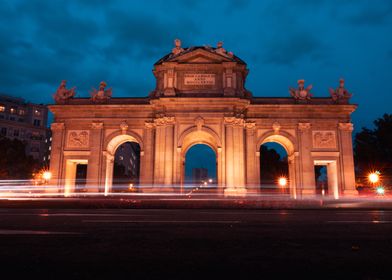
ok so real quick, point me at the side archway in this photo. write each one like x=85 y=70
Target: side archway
x=288 y=142
x=113 y=142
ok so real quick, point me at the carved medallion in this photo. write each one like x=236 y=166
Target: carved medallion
x=78 y=139
x=324 y=139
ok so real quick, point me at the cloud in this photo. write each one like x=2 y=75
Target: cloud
x=287 y=50
x=371 y=13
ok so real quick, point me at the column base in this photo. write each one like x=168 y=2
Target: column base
x=169 y=92
x=157 y=190
x=235 y=192
x=350 y=193
x=308 y=192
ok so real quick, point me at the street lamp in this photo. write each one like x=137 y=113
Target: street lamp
x=282 y=182
x=47 y=175
x=374 y=177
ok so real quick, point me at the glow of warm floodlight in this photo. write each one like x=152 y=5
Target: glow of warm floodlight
x=47 y=175
x=282 y=181
x=373 y=177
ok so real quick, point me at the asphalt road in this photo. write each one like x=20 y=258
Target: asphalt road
x=189 y=244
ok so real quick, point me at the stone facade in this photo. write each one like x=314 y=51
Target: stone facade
x=200 y=98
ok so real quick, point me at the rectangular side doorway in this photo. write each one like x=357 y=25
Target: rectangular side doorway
x=328 y=179
x=75 y=175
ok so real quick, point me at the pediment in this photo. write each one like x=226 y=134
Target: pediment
x=200 y=56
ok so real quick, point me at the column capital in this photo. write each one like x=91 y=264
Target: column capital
x=250 y=125
x=304 y=126
x=57 y=126
x=233 y=121
x=346 y=126
x=164 y=121
x=149 y=124
x=97 y=125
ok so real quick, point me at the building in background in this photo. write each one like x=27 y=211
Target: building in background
x=199 y=175
x=128 y=156
x=26 y=122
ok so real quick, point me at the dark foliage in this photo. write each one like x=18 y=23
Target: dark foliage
x=272 y=165
x=373 y=149
x=14 y=163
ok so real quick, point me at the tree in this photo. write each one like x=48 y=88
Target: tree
x=272 y=165
x=373 y=148
x=14 y=163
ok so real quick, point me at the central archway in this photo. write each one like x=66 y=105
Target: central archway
x=210 y=143
x=200 y=168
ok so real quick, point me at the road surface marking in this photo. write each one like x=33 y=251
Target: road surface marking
x=359 y=222
x=153 y=222
x=35 y=232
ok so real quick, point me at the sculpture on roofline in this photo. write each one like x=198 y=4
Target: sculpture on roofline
x=177 y=49
x=63 y=94
x=340 y=93
x=301 y=93
x=220 y=50
x=101 y=95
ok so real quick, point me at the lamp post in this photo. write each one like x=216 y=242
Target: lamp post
x=46 y=175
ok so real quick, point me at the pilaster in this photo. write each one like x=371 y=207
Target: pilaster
x=347 y=158
x=308 y=186
x=56 y=154
x=235 y=156
x=95 y=158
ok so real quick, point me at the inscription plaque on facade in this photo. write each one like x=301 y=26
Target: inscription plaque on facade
x=199 y=79
x=324 y=139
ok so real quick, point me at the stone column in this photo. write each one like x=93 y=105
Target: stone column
x=347 y=158
x=147 y=159
x=235 y=156
x=169 y=153
x=308 y=185
x=293 y=174
x=251 y=166
x=164 y=151
x=56 y=156
x=109 y=173
x=95 y=158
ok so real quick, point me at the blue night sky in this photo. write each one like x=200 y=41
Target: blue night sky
x=84 y=42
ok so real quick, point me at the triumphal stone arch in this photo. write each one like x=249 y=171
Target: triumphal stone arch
x=200 y=98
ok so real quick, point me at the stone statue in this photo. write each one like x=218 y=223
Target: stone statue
x=62 y=94
x=220 y=50
x=101 y=94
x=301 y=93
x=177 y=49
x=340 y=93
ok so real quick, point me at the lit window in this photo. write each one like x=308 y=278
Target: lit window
x=121 y=157
x=44 y=158
x=22 y=112
x=2 y=108
x=37 y=112
x=48 y=157
x=13 y=110
x=50 y=148
x=50 y=139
